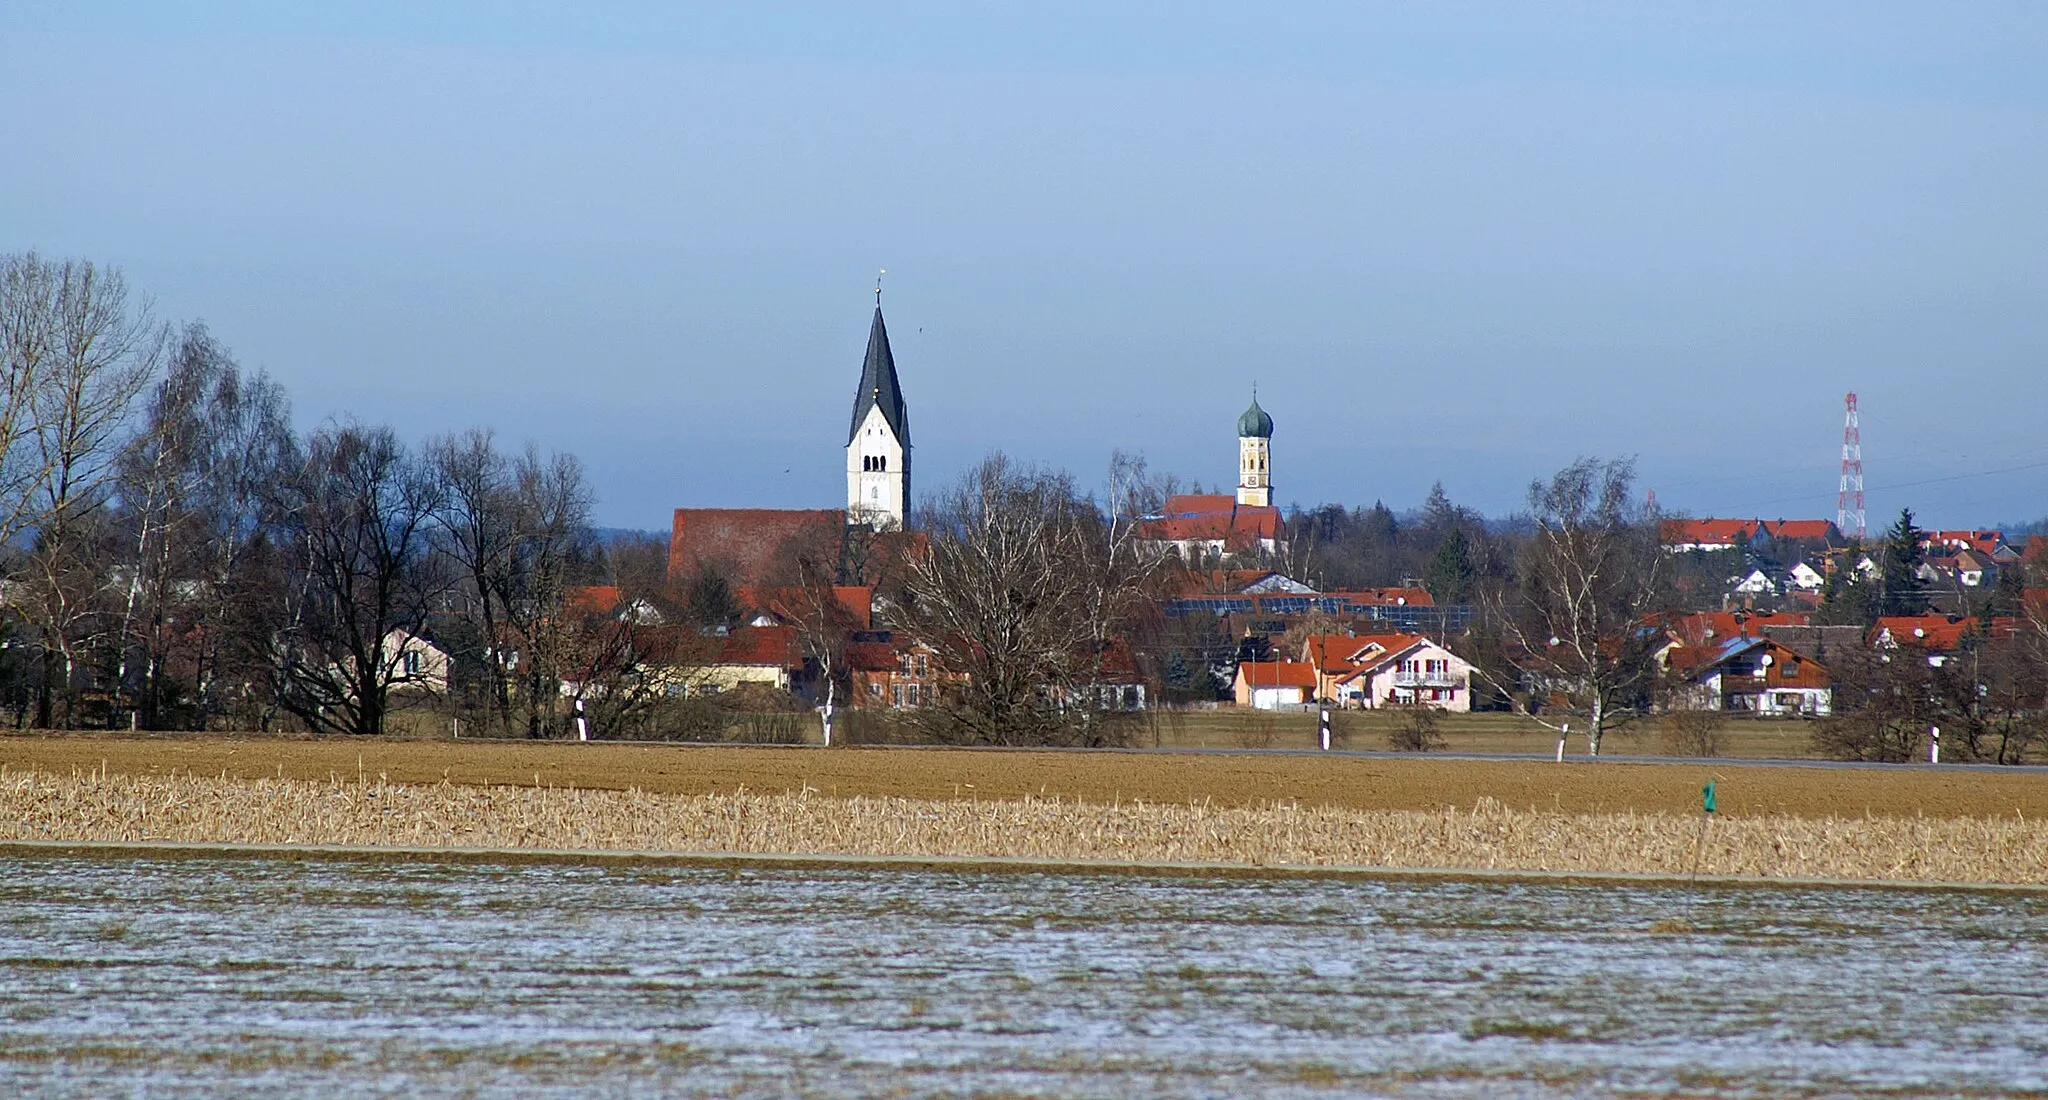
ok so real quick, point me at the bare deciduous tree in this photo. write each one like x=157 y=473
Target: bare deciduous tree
x=1574 y=622
x=1018 y=588
x=357 y=577
x=77 y=352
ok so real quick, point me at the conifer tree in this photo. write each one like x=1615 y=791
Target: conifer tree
x=1902 y=592
x=1451 y=572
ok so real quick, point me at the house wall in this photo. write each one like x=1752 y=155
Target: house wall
x=1448 y=687
x=1274 y=698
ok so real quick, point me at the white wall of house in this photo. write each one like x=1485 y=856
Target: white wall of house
x=1427 y=674
x=1276 y=698
x=1746 y=695
x=1805 y=577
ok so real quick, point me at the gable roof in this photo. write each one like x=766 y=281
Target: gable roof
x=792 y=605
x=1987 y=541
x=1700 y=628
x=1815 y=530
x=1387 y=597
x=591 y=599
x=1931 y=632
x=1709 y=532
x=878 y=386
x=1787 y=667
x=761 y=645
x=1258 y=674
x=1213 y=516
x=1343 y=652
x=746 y=543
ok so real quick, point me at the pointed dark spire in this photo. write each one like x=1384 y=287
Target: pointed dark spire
x=878 y=386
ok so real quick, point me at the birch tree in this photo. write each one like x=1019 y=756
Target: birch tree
x=1574 y=620
x=81 y=352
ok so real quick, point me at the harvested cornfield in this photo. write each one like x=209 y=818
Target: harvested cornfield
x=1238 y=779
x=1486 y=836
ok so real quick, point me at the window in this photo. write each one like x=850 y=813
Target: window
x=910 y=695
x=897 y=695
x=875 y=690
x=412 y=662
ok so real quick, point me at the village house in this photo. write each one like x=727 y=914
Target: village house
x=1274 y=685
x=893 y=670
x=417 y=664
x=1755 y=675
x=1682 y=535
x=1373 y=671
x=1936 y=636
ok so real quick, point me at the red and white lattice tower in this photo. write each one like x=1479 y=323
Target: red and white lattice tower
x=1849 y=502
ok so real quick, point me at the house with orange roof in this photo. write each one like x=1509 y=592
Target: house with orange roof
x=1369 y=671
x=1274 y=685
x=1987 y=542
x=894 y=670
x=1680 y=535
x=1417 y=673
x=1702 y=628
x=1821 y=531
x=1757 y=675
x=852 y=606
x=1209 y=527
x=1937 y=636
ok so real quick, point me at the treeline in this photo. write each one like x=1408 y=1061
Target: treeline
x=176 y=556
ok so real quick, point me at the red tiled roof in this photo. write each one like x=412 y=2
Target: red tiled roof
x=1260 y=674
x=1934 y=632
x=1820 y=530
x=1210 y=517
x=1702 y=627
x=592 y=599
x=793 y=605
x=1336 y=652
x=761 y=645
x=747 y=544
x=1986 y=541
x=1788 y=667
x=1709 y=532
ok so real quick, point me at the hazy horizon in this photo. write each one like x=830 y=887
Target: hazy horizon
x=1465 y=242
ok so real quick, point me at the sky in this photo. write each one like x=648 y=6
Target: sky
x=1466 y=242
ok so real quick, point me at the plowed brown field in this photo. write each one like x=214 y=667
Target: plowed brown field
x=1223 y=780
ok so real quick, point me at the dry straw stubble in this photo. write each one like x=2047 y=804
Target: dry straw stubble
x=1488 y=836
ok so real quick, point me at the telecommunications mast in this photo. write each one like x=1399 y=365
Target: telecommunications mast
x=1849 y=501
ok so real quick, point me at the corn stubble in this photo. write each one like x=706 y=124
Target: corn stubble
x=1488 y=836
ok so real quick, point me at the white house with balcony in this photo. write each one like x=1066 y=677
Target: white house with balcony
x=1419 y=672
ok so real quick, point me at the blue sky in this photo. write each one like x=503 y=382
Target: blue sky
x=1465 y=242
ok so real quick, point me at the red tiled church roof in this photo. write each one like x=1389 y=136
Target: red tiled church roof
x=746 y=544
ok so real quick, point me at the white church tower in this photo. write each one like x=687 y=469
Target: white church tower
x=1254 y=456
x=878 y=448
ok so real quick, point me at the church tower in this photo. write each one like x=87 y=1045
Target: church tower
x=878 y=447
x=1254 y=455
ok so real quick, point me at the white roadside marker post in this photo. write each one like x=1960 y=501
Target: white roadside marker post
x=1563 y=731
x=1934 y=745
x=1326 y=727
x=582 y=726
